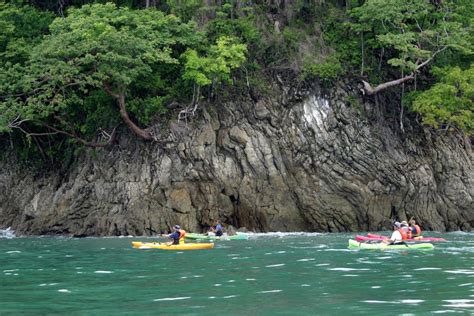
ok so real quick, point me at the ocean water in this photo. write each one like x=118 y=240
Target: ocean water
x=269 y=274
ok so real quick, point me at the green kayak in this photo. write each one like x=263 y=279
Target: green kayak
x=353 y=244
x=239 y=236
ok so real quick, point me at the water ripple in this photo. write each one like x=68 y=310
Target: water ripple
x=460 y=271
x=172 y=298
x=275 y=265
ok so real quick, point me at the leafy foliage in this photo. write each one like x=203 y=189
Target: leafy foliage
x=88 y=70
x=329 y=70
x=450 y=102
x=226 y=55
x=96 y=48
x=413 y=31
x=21 y=27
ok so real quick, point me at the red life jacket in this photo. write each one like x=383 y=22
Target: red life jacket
x=182 y=233
x=404 y=233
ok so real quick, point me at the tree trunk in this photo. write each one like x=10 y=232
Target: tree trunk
x=124 y=114
x=120 y=97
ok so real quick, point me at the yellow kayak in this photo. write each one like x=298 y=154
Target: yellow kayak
x=165 y=246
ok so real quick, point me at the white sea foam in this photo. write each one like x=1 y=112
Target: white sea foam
x=64 y=291
x=250 y=279
x=460 y=271
x=13 y=251
x=465 y=284
x=350 y=275
x=103 y=271
x=309 y=247
x=306 y=259
x=172 y=298
x=459 y=301
x=426 y=269
x=284 y=234
x=230 y=296
x=348 y=269
x=275 y=265
x=376 y=287
x=239 y=258
x=305 y=285
x=269 y=291
x=411 y=301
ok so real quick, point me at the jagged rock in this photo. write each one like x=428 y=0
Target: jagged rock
x=301 y=161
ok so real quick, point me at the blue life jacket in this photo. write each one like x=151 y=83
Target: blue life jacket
x=219 y=231
x=175 y=236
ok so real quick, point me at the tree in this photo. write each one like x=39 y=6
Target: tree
x=414 y=32
x=97 y=49
x=213 y=68
x=449 y=102
x=21 y=27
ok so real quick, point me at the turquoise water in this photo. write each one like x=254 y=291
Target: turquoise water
x=269 y=274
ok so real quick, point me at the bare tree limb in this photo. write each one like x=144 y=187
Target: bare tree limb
x=17 y=124
x=383 y=86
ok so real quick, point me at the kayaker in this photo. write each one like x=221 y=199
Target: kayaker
x=406 y=228
x=414 y=229
x=216 y=230
x=399 y=234
x=178 y=235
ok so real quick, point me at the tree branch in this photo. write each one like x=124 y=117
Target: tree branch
x=16 y=124
x=383 y=86
x=369 y=90
x=120 y=97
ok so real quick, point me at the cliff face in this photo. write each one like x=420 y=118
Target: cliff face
x=302 y=161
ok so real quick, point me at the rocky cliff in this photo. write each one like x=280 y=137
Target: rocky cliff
x=303 y=160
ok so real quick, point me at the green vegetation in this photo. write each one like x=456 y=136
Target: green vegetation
x=71 y=74
x=450 y=102
x=327 y=71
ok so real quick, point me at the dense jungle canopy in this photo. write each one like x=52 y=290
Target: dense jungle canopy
x=71 y=72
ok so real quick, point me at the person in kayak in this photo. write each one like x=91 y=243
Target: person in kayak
x=414 y=229
x=178 y=235
x=404 y=225
x=399 y=234
x=216 y=230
